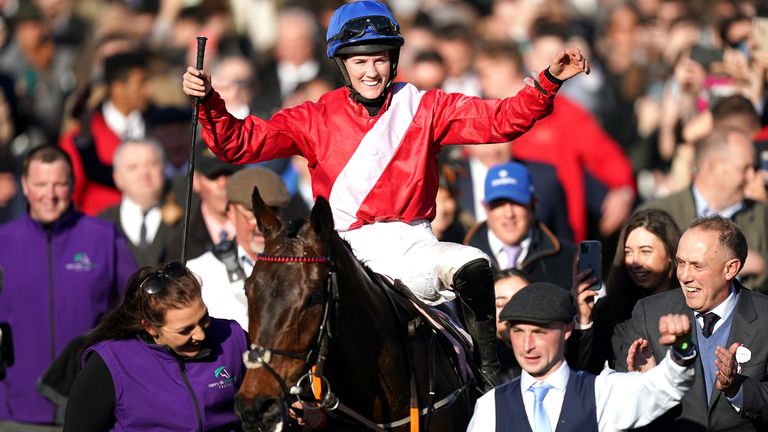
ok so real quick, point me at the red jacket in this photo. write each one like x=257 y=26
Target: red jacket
x=89 y=196
x=381 y=168
x=573 y=141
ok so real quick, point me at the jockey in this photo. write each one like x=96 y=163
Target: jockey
x=372 y=149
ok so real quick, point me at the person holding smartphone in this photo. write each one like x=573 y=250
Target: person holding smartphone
x=644 y=264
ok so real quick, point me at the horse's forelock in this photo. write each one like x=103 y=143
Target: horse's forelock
x=294 y=227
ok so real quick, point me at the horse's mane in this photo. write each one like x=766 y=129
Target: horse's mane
x=292 y=229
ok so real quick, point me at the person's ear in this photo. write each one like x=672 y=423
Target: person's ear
x=149 y=329
x=568 y=330
x=732 y=267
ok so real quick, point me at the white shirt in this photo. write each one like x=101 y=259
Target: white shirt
x=126 y=127
x=623 y=400
x=723 y=310
x=497 y=247
x=703 y=208
x=223 y=299
x=291 y=75
x=131 y=216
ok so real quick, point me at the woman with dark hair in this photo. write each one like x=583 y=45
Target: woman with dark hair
x=158 y=361
x=644 y=264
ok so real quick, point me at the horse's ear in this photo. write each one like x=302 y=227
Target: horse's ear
x=321 y=218
x=268 y=222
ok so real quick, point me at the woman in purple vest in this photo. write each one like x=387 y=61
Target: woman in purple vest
x=158 y=362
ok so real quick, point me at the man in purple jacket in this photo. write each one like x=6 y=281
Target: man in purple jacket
x=63 y=270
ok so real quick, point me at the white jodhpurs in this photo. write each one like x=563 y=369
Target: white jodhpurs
x=412 y=253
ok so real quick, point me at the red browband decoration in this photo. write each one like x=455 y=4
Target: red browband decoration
x=287 y=259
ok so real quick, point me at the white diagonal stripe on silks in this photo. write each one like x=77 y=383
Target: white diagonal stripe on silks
x=372 y=156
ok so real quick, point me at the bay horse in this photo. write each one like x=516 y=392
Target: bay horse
x=312 y=303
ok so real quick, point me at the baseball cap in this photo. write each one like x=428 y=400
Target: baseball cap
x=271 y=187
x=509 y=181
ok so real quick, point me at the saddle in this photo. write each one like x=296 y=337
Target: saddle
x=413 y=313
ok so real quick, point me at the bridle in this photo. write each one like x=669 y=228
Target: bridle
x=259 y=357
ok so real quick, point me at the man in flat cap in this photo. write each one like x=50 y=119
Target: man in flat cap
x=223 y=270
x=550 y=396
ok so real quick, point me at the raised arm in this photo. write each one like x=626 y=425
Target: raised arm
x=630 y=400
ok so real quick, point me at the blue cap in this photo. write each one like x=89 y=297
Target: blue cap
x=510 y=181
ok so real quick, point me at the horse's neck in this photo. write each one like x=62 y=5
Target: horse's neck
x=367 y=329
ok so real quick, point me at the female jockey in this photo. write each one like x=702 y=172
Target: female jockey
x=372 y=149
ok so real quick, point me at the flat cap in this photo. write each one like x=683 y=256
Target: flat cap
x=271 y=187
x=540 y=303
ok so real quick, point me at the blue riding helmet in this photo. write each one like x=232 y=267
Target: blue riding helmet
x=362 y=27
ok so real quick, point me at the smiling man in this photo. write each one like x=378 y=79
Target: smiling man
x=730 y=392
x=550 y=396
x=63 y=271
x=512 y=236
x=372 y=149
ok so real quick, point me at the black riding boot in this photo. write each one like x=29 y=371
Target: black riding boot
x=474 y=284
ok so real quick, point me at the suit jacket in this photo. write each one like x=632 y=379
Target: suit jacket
x=549 y=258
x=157 y=252
x=752 y=220
x=550 y=208
x=749 y=327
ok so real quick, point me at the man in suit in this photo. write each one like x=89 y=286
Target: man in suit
x=549 y=395
x=138 y=174
x=730 y=391
x=724 y=167
x=512 y=237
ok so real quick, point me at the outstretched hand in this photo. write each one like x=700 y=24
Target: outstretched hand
x=569 y=63
x=196 y=83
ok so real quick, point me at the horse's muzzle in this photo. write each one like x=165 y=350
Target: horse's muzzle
x=261 y=415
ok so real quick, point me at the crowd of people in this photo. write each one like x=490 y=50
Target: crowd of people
x=478 y=141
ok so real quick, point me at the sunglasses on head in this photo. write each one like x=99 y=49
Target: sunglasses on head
x=356 y=28
x=155 y=282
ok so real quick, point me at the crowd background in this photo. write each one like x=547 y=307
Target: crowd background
x=622 y=135
x=89 y=75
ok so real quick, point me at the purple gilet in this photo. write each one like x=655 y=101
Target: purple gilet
x=59 y=281
x=156 y=390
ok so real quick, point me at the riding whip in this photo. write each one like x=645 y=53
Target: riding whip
x=191 y=166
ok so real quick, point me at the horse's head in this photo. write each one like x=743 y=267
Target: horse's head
x=288 y=295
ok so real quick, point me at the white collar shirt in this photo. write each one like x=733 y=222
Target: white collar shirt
x=723 y=310
x=131 y=216
x=126 y=127
x=553 y=402
x=497 y=247
x=703 y=208
x=291 y=75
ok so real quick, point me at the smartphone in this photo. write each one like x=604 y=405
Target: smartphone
x=760 y=36
x=590 y=257
x=705 y=55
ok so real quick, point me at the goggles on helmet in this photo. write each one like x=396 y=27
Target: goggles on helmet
x=356 y=28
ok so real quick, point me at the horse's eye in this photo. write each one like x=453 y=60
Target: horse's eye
x=315 y=298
